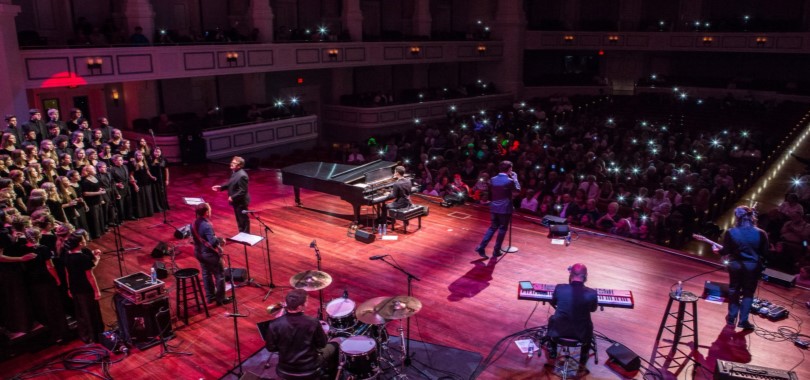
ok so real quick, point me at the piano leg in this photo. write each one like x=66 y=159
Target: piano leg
x=356 y=214
x=297 y=193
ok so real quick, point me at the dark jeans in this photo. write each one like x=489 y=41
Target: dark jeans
x=213 y=278
x=500 y=222
x=743 y=278
x=329 y=358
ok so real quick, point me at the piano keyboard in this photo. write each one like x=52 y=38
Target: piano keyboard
x=605 y=297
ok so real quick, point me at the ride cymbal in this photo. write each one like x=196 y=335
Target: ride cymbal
x=311 y=280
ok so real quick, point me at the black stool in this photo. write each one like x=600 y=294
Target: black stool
x=566 y=365
x=193 y=275
x=314 y=374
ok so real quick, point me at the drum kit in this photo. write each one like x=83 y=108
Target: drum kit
x=360 y=329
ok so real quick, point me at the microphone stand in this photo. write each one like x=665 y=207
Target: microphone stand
x=510 y=248
x=267 y=229
x=235 y=314
x=407 y=360
x=314 y=245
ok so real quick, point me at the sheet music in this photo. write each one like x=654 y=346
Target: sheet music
x=244 y=238
x=193 y=201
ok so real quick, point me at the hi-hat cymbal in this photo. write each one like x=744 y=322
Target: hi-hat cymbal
x=366 y=311
x=398 y=307
x=311 y=280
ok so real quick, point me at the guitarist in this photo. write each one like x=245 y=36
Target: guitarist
x=208 y=251
x=745 y=245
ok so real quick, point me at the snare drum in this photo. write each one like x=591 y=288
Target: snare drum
x=360 y=356
x=340 y=314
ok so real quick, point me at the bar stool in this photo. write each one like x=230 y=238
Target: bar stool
x=567 y=366
x=193 y=275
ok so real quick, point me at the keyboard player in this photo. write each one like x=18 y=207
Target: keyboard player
x=400 y=191
x=574 y=302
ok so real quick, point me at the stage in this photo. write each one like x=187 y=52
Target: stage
x=468 y=303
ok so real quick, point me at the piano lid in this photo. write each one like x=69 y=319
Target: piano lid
x=336 y=172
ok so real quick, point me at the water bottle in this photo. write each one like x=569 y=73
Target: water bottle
x=531 y=350
x=385 y=229
x=379 y=229
x=679 y=290
x=154 y=276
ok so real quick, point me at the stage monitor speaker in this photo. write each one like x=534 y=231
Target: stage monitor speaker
x=779 y=278
x=160 y=250
x=160 y=270
x=558 y=230
x=365 y=237
x=624 y=357
x=183 y=232
x=140 y=324
x=239 y=274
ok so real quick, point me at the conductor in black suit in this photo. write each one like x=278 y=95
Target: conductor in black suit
x=574 y=302
x=238 y=197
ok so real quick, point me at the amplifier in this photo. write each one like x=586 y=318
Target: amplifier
x=779 y=278
x=726 y=370
x=139 y=288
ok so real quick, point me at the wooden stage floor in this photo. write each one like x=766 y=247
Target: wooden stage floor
x=468 y=303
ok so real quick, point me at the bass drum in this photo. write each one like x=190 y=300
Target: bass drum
x=360 y=357
x=340 y=314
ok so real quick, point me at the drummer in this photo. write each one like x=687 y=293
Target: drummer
x=299 y=339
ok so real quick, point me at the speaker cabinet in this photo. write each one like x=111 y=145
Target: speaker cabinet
x=558 y=230
x=160 y=270
x=239 y=274
x=624 y=357
x=140 y=324
x=365 y=237
x=183 y=232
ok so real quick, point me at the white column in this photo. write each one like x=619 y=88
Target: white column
x=140 y=13
x=261 y=15
x=510 y=27
x=353 y=19
x=422 y=20
x=12 y=93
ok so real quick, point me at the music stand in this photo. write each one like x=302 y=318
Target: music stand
x=247 y=239
x=192 y=201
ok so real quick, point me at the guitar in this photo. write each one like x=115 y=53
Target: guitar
x=704 y=239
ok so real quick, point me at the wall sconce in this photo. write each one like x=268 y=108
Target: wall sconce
x=708 y=40
x=333 y=54
x=761 y=41
x=415 y=50
x=115 y=96
x=93 y=64
x=568 y=39
x=613 y=39
x=232 y=58
x=482 y=50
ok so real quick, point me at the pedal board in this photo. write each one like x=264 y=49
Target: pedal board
x=767 y=309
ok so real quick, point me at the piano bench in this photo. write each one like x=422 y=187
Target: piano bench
x=406 y=214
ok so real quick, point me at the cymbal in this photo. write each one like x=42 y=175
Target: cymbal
x=275 y=310
x=398 y=307
x=311 y=280
x=366 y=311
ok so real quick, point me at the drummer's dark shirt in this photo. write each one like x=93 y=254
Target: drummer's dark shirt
x=296 y=337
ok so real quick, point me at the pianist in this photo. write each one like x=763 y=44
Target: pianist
x=574 y=302
x=400 y=190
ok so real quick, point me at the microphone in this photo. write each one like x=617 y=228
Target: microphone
x=249 y=211
x=312 y=244
x=378 y=257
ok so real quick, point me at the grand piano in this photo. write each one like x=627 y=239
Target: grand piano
x=357 y=184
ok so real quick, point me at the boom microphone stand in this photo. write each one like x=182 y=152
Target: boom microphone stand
x=411 y=277
x=235 y=314
x=165 y=349
x=119 y=251
x=314 y=246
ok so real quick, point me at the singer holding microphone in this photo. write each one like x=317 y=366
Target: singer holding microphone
x=238 y=197
x=500 y=207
